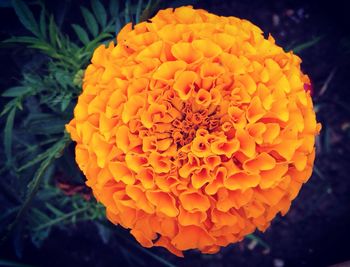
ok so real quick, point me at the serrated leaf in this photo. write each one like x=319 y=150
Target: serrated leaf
x=100 y=12
x=90 y=21
x=81 y=33
x=8 y=134
x=16 y=91
x=26 y=16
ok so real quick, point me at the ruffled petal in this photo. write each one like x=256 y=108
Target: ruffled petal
x=186 y=52
x=242 y=181
x=194 y=201
x=190 y=237
x=163 y=202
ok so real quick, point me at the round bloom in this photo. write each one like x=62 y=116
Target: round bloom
x=194 y=130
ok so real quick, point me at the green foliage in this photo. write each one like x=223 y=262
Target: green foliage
x=46 y=216
x=301 y=47
x=36 y=148
x=26 y=17
x=8 y=134
x=99 y=12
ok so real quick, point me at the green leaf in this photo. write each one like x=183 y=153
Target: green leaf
x=53 y=30
x=13 y=264
x=78 y=78
x=138 y=11
x=37 y=159
x=149 y=10
x=39 y=236
x=39 y=216
x=55 y=125
x=21 y=39
x=8 y=213
x=49 y=193
x=54 y=210
x=63 y=78
x=306 y=45
x=60 y=219
x=58 y=41
x=44 y=47
x=43 y=23
x=114 y=8
x=8 y=134
x=11 y=104
x=118 y=25
x=81 y=33
x=90 y=21
x=33 y=187
x=127 y=16
x=26 y=16
x=100 y=12
x=16 y=91
x=258 y=240
x=65 y=102
x=90 y=47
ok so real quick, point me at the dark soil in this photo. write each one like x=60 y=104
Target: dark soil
x=315 y=231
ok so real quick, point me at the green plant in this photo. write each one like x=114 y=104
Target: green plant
x=36 y=147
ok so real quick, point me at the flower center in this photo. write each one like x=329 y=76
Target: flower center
x=185 y=130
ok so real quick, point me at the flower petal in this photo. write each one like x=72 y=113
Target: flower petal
x=163 y=202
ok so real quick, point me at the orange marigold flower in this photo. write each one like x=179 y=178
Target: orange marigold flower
x=194 y=130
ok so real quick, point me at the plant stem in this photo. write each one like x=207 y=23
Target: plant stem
x=60 y=219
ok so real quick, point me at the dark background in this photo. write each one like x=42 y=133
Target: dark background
x=315 y=232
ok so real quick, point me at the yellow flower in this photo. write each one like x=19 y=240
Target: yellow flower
x=194 y=130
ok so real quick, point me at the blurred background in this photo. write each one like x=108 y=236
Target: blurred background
x=47 y=215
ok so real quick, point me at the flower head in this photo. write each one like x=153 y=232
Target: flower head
x=194 y=130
